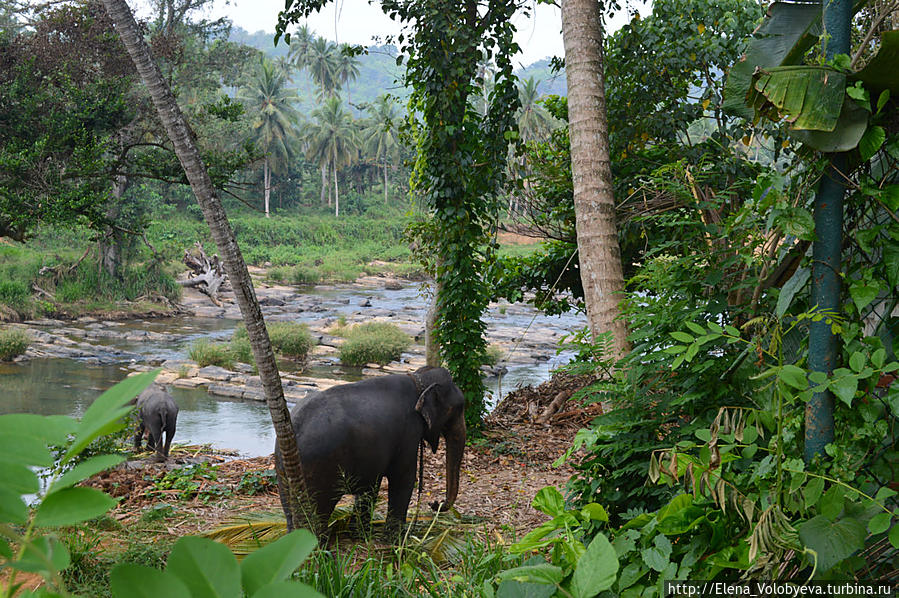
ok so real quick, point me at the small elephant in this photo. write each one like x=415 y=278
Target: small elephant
x=157 y=413
x=352 y=436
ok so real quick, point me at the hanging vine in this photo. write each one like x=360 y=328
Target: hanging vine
x=460 y=164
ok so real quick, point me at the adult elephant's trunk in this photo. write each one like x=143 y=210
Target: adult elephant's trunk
x=455 y=447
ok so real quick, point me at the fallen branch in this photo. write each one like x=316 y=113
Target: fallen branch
x=207 y=274
x=554 y=406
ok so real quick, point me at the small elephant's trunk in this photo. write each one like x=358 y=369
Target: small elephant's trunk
x=455 y=448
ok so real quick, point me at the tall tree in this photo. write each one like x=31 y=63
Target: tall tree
x=331 y=141
x=347 y=68
x=380 y=137
x=275 y=120
x=300 y=45
x=323 y=65
x=182 y=138
x=597 y=238
x=534 y=121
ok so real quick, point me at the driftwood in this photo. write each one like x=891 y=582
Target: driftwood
x=207 y=274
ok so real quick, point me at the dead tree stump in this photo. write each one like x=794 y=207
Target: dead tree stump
x=207 y=274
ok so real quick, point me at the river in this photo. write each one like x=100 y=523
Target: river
x=102 y=353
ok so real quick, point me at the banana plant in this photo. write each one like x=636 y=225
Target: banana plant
x=823 y=104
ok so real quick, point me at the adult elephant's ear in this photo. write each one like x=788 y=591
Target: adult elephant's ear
x=427 y=406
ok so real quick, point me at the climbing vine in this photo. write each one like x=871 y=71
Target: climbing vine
x=460 y=164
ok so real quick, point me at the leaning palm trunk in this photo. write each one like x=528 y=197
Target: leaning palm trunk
x=594 y=208
x=326 y=193
x=180 y=134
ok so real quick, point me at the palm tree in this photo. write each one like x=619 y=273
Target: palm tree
x=347 y=68
x=534 y=121
x=274 y=127
x=300 y=43
x=331 y=141
x=322 y=62
x=186 y=148
x=594 y=206
x=380 y=138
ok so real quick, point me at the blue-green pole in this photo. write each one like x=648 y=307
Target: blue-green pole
x=823 y=345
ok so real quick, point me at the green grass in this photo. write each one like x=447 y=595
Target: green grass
x=206 y=353
x=374 y=342
x=493 y=355
x=13 y=342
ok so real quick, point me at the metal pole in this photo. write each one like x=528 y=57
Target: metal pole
x=823 y=345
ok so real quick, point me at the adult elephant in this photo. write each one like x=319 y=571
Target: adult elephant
x=352 y=436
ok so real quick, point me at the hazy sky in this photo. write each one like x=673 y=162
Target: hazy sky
x=358 y=22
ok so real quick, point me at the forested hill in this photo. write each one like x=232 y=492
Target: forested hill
x=378 y=72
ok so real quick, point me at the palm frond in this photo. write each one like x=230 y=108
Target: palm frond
x=249 y=532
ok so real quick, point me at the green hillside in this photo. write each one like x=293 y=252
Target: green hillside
x=378 y=72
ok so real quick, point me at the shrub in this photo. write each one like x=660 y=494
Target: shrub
x=303 y=275
x=206 y=353
x=493 y=355
x=242 y=350
x=13 y=342
x=290 y=339
x=375 y=342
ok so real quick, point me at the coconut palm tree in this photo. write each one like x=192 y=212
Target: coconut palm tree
x=331 y=141
x=182 y=139
x=274 y=127
x=534 y=121
x=594 y=206
x=380 y=137
x=298 y=55
x=322 y=62
x=347 y=68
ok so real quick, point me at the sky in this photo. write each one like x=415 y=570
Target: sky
x=360 y=21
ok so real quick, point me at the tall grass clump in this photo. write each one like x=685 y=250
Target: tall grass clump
x=290 y=339
x=15 y=294
x=206 y=353
x=374 y=342
x=13 y=342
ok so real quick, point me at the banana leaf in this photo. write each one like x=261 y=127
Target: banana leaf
x=882 y=71
x=783 y=38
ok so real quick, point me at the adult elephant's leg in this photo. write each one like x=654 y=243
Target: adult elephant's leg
x=399 y=493
x=169 y=434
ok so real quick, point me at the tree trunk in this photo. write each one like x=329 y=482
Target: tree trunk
x=326 y=194
x=182 y=138
x=110 y=244
x=597 y=238
x=385 y=182
x=432 y=347
x=267 y=182
x=336 y=194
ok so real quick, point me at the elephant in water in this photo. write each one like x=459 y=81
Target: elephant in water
x=157 y=413
x=352 y=436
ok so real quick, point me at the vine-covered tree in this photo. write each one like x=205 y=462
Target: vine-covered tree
x=461 y=155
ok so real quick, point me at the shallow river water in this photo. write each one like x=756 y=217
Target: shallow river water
x=68 y=386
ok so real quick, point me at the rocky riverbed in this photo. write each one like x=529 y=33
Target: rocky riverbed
x=528 y=340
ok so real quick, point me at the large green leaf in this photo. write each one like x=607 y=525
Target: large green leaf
x=18 y=478
x=12 y=507
x=543 y=573
x=207 y=568
x=105 y=412
x=833 y=542
x=850 y=128
x=72 y=505
x=137 y=581
x=43 y=554
x=286 y=589
x=518 y=589
x=782 y=39
x=50 y=429
x=808 y=97
x=276 y=561
x=596 y=569
x=789 y=290
x=880 y=72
